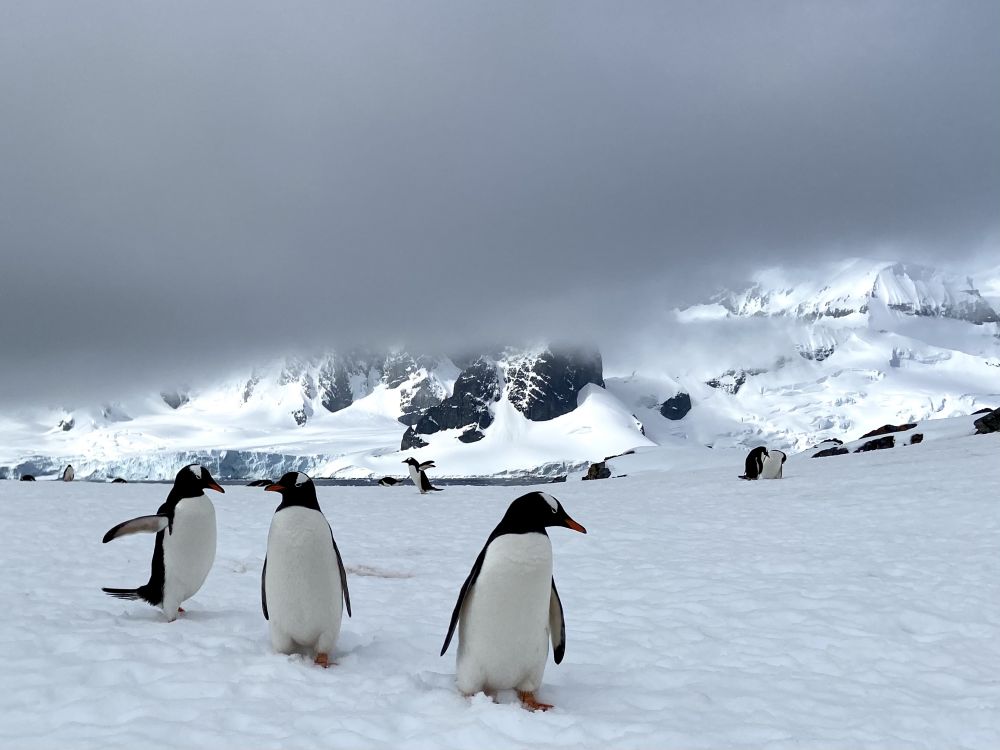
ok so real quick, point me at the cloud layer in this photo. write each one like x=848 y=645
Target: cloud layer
x=184 y=184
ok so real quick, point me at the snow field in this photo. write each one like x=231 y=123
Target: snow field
x=855 y=603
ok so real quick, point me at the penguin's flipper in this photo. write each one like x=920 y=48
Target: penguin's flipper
x=343 y=574
x=263 y=591
x=557 y=625
x=140 y=525
x=466 y=587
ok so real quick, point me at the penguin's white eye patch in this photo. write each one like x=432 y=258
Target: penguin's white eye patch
x=553 y=503
x=300 y=479
x=196 y=470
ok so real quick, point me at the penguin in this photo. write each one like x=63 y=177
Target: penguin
x=68 y=473
x=185 y=542
x=419 y=476
x=388 y=482
x=509 y=608
x=754 y=463
x=27 y=477
x=303 y=587
x=119 y=480
x=773 y=465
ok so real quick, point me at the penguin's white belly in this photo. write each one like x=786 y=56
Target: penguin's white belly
x=302 y=582
x=188 y=550
x=503 y=630
x=772 y=465
x=415 y=476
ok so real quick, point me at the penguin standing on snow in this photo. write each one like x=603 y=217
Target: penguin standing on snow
x=754 y=463
x=773 y=465
x=509 y=608
x=303 y=587
x=418 y=473
x=185 y=542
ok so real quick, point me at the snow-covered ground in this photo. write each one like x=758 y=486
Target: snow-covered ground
x=855 y=603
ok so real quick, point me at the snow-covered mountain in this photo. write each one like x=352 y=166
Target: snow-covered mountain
x=791 y=360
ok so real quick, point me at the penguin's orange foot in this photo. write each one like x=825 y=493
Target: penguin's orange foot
x=180 y=609
x=529 y=702
x=323 y=660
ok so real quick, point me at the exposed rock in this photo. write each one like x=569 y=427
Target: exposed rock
x=397 y=369
x=834 y=451
x=545 y=386
x=598 y=470
x=301 y=416
x=916 y=437
x=887 y=441
x=988 y=423
x=176 y=399
x=732 y=380
x=115 y=413
x=477 y=387
x=817 y=354
x=66 y=424
x=556 y=480
x=676 y=407
x=411 y=440
x=629 y=452
x=251 y=384
x=335 y=386
x=887 y=428
x=471 y=436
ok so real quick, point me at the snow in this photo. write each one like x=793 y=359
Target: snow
x=854 y=603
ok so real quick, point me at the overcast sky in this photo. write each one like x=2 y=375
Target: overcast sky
x=183 y=184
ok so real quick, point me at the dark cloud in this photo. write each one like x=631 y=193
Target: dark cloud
x=187 y=183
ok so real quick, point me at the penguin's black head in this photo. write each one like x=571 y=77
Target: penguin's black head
x=193 y=480
x=296 y=488
x=412 y=462
x=534 y=512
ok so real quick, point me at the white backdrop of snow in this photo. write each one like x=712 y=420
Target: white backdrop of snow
x=855 y=603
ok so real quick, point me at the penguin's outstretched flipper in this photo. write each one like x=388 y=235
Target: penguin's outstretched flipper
x=140 y=525
x=129 y=594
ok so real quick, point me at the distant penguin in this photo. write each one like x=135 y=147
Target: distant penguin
x=303 y=585
x=773 y=465
x=388 y=482
x=27 y=477
x=68 y=473
x=185 y=542
x=754 y=463
x=509 y=608
x=419 y=477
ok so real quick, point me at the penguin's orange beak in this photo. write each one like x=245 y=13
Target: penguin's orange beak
x=214 y=486
x=571 y=524
x=273 y=488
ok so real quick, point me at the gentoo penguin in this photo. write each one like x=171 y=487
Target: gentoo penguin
x=68 y=473
x=754 y=463
x=388 y=482
x=303 y=587
x=508 y=607
x=773 y=465
x=418 y=475
x=27 y=477
x=185 y=542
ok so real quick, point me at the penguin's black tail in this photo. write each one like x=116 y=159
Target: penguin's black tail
x=129 y=594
